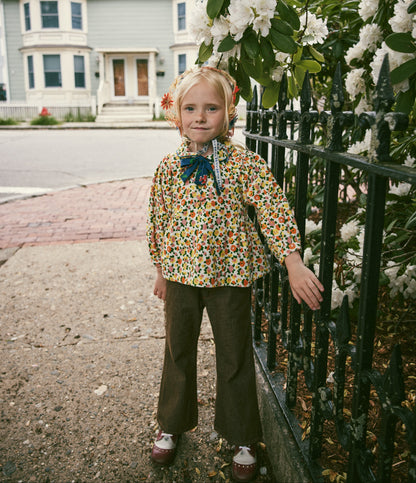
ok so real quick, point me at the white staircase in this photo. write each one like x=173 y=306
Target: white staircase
x=124 y=113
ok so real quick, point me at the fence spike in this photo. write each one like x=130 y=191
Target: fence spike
x=337 y=92
x=306 y=96
x=254 y=100
x=343 y=326
x=384 y=95
x=393 y=377
x=283 y=100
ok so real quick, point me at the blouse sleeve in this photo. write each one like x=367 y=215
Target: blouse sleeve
x=159 y=210
x=274 y=215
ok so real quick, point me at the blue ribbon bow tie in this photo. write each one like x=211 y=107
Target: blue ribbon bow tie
x=203 y=169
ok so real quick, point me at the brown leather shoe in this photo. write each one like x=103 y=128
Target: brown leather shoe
x=164 y=448
x=244 y=463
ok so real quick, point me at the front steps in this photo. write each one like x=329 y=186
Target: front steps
x=124 y=113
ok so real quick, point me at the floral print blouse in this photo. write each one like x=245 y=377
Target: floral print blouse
x=203 y=239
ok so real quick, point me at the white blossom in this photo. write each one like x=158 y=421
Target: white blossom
x=220 y=29
x=354 y=52
x=401 y=20
x=409 y=161
x=277 y=73
x=392 y=270
x=307 y=255
x=349 y=230
x=315 y=29
x=361 y=146
x=370 y=36
x=262 y=24
x=311 y=226
x=402 y=189
x=264 y=10
x=367 y=9
x=362 y=106
x=410 y=291
x=395 y=60
x=355 y=82
x=200 y=23
x=241 y=16
x=336 y=296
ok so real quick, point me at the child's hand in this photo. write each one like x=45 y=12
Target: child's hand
x=303 y=282
x=160 y=285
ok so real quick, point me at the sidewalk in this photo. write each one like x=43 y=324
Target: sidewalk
x=82 y=337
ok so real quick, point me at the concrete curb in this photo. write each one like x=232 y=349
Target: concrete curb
x=93 y=125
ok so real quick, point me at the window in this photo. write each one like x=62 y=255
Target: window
x=49 y=12
x=76 y=12
x=182 y=16
x=79 y=69
x=181 y=63
x=26 y=7
x=30 y=72
x=52 y=69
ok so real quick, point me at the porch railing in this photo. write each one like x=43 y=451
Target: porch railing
x=307 y=336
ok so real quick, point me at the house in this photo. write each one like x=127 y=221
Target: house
x=104 y=54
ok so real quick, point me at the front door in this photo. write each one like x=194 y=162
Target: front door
x=119 y=78
x=142 y=77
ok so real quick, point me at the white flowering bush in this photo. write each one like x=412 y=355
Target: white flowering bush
x=263 y=39
x=259 y=39
x=398 y=267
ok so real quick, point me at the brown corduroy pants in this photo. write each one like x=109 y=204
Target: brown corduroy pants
x=236 y=408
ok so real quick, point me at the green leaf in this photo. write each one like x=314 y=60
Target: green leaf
x=283 y=42
x=205 y=52
x=405 y=101
x=299 y=75
x=226 y=44
x=250 y=68
x=267 y=51
x=411 y=222
x=403 y=72
x=214 y=8
x=289 y=14
x=270 y=95
x=401 y=42
x=412 y=7
x=250 y=44
x=291 y=87
x=243 y=82
x=297 y=57
x=311 y=65
x=315 y=54
x=282 y=26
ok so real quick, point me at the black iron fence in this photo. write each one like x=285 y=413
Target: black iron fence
x=309 y=337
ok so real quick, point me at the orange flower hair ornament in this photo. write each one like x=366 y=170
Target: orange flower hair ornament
x=170 y=99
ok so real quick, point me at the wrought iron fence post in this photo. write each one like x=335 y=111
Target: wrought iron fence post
x=358 y=466
x=329 y=218
x=302 y=171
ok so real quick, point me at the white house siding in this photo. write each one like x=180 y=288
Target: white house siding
x=141 y=33
x=16 y=89
x=131 y=30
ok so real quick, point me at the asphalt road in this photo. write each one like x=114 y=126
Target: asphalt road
x=34 y=162
x=38 y=161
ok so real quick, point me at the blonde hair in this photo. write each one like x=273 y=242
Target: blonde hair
x=220 y=80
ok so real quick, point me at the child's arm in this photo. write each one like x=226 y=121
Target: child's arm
x=303 y=282
x=160 y=284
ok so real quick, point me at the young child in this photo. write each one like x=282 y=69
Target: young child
x=207 y=253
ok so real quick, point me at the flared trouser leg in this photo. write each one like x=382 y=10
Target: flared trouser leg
x=178 y=406
x=236 y=409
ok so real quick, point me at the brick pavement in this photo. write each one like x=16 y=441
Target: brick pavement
x=105 y=211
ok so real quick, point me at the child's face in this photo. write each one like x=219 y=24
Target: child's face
x=202 y=114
